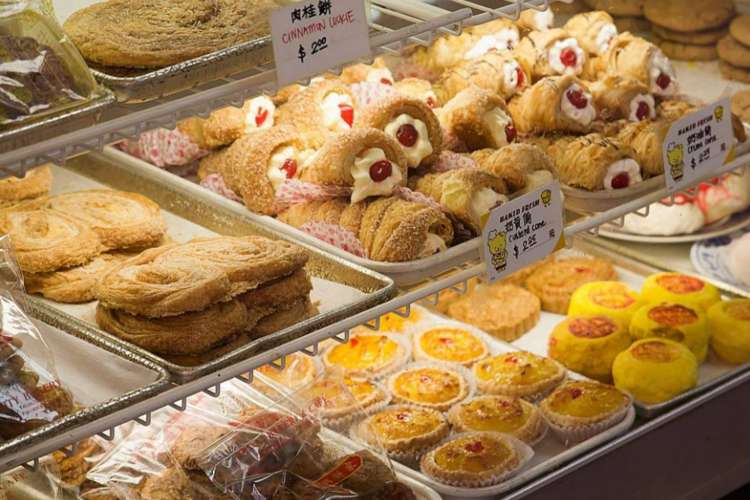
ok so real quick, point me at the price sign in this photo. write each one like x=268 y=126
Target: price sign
x=698 y=144
x=310 y=37
x=522 y=231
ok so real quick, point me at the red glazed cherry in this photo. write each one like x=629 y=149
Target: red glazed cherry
x=386 y=81
x=577 y=98
x=260 y=116
x=520 y=78
x=643 y=111
x=431 y=102
x=510 y=133
x=511 y=359
x=381 y=170
x=407 y=135
x=576 y=393
x=347 y=113
x=621 y=181
x=401 y=416
x=475 y=447
x=446 y=340
x=663 y=81
x=569 y=57
x=354 y=342
x=289 y=167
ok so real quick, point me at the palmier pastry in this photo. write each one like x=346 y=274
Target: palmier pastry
x=549 y=53
x=367 y=159
x=646 y=139
x=553 y=104
x=536 y=20
x=418 y=88
x=497 y=72
x=521 y=166
x=35 y=183
x=638 y=59
x=618 y=98
x=593 y=30
x=478 y=118
x=466 y=193
x=226 y=125
x=409 y=122
x=318 y=112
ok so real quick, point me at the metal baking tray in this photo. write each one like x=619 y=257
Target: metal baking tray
x=403 y=273
x=341 y=288
x=118 y=379
x=712 y=373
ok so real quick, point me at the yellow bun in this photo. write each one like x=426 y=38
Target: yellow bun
x=609 y=298
x=729 y=323
x=589 y=344
x=681 y=288
x=684 y=323
x=655 y=370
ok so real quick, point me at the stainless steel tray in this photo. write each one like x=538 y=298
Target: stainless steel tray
x=143 y=85
x=342 y=288
x=712 y=372
x=118 y=379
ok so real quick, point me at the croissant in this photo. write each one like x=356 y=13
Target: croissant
x=521 y=166
x=553 y=104
x=647 y=141
x=390 y=229
x=635 y=58
x=418 y=88
x=496 y=72
x=552 y=52
x=594 y=31
x=478 y=118
x=618 y=98
x=410 y=122
x=466 y=193
x=319 y=112
x=366 y=159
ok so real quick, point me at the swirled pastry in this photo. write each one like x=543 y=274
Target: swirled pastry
x=478 y=118
x=285 y=315
x=497 y=72
x=35 y=183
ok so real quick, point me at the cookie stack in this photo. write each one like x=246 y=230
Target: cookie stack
x=628 y=14
x=689 y=32
x=734 y=51
x=187 y=300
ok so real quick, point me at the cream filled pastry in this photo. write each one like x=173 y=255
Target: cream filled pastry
x=479 y=119
x=565 y=56
x=377 y=72
x=553 y=104
x=667 y=218
x=552 y=52
x=374 y=175
x=226 y=125
x=504 y=40
x=418 y=89
x=576 y=104
x=285 y=163
x=595 y=31
x=496 y=72
x=618 y=98
x=338 y=111
x=640 y=60
x=259 y=113
x=537 y=20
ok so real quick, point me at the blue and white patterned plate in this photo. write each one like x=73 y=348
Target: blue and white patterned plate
x=709 y=257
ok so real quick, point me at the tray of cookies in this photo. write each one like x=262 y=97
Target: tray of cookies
x=184 y=284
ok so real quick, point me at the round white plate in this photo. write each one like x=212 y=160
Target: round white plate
x=721 y=227
x=709 y=257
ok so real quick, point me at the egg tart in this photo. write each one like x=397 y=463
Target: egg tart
x=606 y=298
x=449 y=343
x=580 y=409
x=506 y=414
x=405 y=432
x=299 y=370
x=684 y=323
x=589 y=344
x=555 y=281
x=340 y=400
x=729 y=323
x=518 y=374
x=475 y=459
x=680 y=288
x=367 y=355
x=430 y=385
x=655 y=370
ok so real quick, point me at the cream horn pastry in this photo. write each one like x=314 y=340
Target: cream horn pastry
x=193 y=128
x=285 y=93
x=226 y=125
x=498 y=35
x=478 y=118
x=594 y=31
x=365 y=159
x=418 y=89
x=377 y=72
x=633 y=57
x=521 y=166
x=212 y=163
x=466 y=193
x=647 y=141
x=257 y=164
x=553 y=104
x=320 y=111
x=594 y=162
x=497 y=72
x=390 y=229
x=553 y=52
x=409 y=122
x=536 y=20
x=618 y=98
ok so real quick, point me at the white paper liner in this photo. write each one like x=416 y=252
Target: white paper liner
x=525 y=452
x=425 y=326
x=398 y=363
x=442 y=407
x=343 y=422
x=575 y=434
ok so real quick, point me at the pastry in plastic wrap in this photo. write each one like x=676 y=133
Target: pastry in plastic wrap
x=655 y=370
x=593 y=30
x=409 y=122
x=34 y=184
x=492 y=413
x=550 y=53
x=435 y=386
x=679 y=322
x=729 y=323
x=638 y=59
x=646 y=139
x=496 y=72
x=449 y=344
x=341 y=400
x=618 y=98
x=478 y=118
x=553 y=104
x=518 y=374
x=606 y=298
x=679 y=288
x=522 y=166
x=418 y=88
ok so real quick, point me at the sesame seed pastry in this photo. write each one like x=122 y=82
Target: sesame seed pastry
x=497 y=72
x=226 y=125
x=549 y=53
x=478 y=118
x=377 y=72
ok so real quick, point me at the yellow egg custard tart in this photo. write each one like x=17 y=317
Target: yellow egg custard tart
x=449 y=343
x=506 y=414
x=680 y=288
x=299 y=370
x=684 y=323
x=606 y=298
x=367 y=355
x=729 y=323
x=430 y=385
x=519 y=374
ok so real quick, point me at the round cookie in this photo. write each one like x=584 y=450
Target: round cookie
x=740 y=29
x=632 y=24
x=706 y=37
x=685 y=15
x=733 y=72
x=686 y=52
x=733 y=52
x=741 y=105
x=632 y=8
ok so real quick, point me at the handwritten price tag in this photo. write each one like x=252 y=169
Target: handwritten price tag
x=698 y=144
x=310 y=37
x=522 y=231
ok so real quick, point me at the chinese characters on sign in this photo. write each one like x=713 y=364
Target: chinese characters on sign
x=310 y=37
x=698 y=144
x=522 y=231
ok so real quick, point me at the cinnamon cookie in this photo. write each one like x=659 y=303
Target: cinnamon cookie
x=686 y=16
x=706 y=37
x=619 y=7
x=687 y=52
x=733 y=52
x=740 y=29
x=733 y=72
x=741 y=105
x=34 y=184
